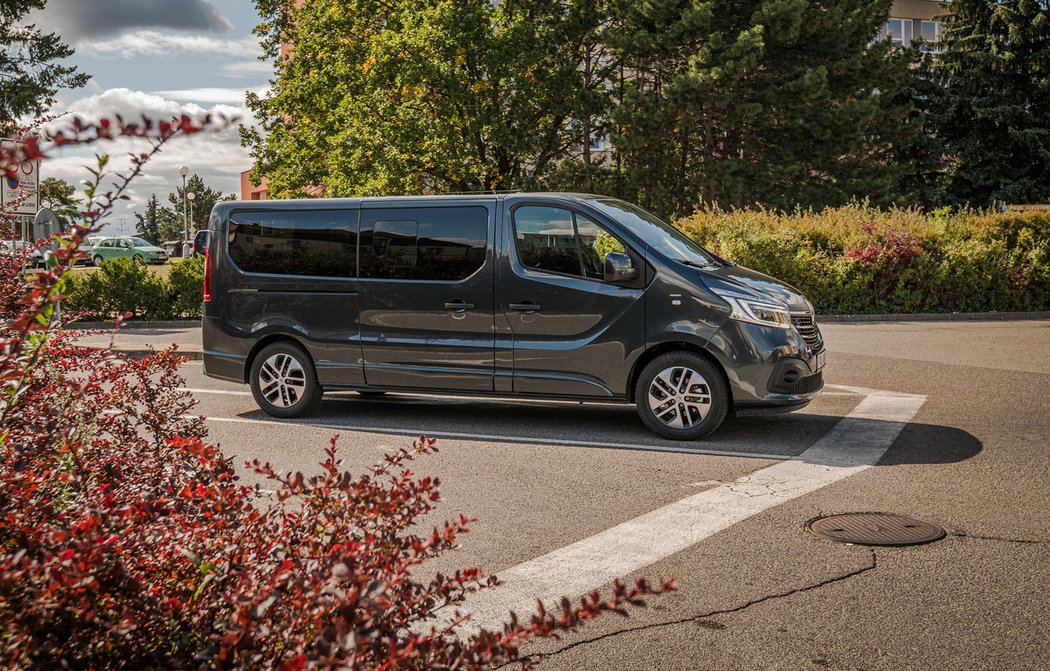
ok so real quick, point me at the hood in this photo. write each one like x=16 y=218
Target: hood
x=151 y=248
x=753 y=283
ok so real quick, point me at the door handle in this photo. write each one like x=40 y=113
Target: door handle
x=525 y=307
x=459 y=306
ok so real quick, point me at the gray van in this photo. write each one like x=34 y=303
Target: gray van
x=527 y=295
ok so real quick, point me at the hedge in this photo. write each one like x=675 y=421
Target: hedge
x=849 y=260
x=861 y=260
x=121 y=285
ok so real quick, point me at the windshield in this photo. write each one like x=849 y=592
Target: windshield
x=660 y=235
x=139 y=242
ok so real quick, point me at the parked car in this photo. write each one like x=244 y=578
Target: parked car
x=126 y=247
x=554 y=296
x=173 y=248
x=18 y=249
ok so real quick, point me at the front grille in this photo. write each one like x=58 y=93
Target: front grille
x=810 y=384
x=807 y=328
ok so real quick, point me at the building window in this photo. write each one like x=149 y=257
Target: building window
x=930 y=34
x=901 y=32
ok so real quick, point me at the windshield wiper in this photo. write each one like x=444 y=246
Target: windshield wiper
x=701 y=266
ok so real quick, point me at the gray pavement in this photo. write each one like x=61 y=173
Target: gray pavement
x=762 y=592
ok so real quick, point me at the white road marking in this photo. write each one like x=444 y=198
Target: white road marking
x=529 y=440
x=223 y=392
x=856 y=443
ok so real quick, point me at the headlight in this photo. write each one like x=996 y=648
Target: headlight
x=757 y=312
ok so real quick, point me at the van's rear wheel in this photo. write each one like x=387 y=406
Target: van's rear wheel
x=681 y=396
x=283 y=380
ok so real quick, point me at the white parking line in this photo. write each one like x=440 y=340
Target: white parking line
x=856 y=443
x=529 y=440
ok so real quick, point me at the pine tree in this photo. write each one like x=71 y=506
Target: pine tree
x=30 y=67
x=776 y=102
x=148 y=225
x=993 y=113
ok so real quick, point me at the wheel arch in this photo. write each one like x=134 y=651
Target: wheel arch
x=265 y=342
x=673 y=346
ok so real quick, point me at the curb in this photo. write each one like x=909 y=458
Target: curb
x=935 y=317
x=134 y=325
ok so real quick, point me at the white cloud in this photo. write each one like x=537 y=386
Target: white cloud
x=228 y=96
x=134 y=105
x=216 y=155
x=254 y=68
x=154 y=43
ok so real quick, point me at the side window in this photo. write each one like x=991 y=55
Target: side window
x=124 y=244
x=561 y=241
x=444 y=244
x=318 y=243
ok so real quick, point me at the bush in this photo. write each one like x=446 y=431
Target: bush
x=122 y=286
x=860 y=260
x=186 y=286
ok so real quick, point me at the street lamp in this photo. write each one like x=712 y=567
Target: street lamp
x=185 y=214
x=191 y=196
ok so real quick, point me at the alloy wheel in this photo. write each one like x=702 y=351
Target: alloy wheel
x=282 y=380
x=679 y=397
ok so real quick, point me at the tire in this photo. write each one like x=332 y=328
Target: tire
x=139 y=260
x=96 y=261
x=692 y=382
x=283 y=381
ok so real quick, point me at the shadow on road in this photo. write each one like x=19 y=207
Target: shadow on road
x=615 y=426
x=931 y=444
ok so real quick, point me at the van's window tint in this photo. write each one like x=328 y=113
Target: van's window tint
x=560 y=241
x=423 y=243
x=319 y=243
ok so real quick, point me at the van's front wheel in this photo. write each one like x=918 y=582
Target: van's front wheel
x=283 y=381
x=681 y=396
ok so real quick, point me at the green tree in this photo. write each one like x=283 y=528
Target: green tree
x=148 y=222
x=171 y=222
x=993 y=111
x=30 y=67
x=776 y=102
x=60 y=197
x=406 y=96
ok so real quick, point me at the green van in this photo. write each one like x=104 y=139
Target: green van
x=125 y=247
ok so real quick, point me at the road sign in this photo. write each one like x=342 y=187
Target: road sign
x=45 y=224
x=23 y=182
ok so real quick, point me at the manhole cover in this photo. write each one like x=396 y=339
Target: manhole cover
x=875 y=529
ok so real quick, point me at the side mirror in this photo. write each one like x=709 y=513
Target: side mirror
x=619 y=267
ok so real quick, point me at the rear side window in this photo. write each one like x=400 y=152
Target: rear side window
x=423 y=243
x=318 y=243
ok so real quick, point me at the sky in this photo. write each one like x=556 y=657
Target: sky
x=160 y=57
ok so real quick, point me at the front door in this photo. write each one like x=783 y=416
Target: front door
x=426 y=295
x=573 y=333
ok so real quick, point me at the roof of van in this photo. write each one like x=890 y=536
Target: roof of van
x=321 y=203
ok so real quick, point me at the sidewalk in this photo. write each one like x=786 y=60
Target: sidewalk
x=139 y=341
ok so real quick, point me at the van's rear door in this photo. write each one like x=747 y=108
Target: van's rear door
x=426 y=272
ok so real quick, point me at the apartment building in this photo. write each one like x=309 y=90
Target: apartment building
x=911 y=23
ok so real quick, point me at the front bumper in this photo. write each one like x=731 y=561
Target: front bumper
x=770 y=369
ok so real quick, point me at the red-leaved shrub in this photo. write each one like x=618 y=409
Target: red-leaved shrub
x=128 y=542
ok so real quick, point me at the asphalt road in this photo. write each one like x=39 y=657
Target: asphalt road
x=946 y=422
